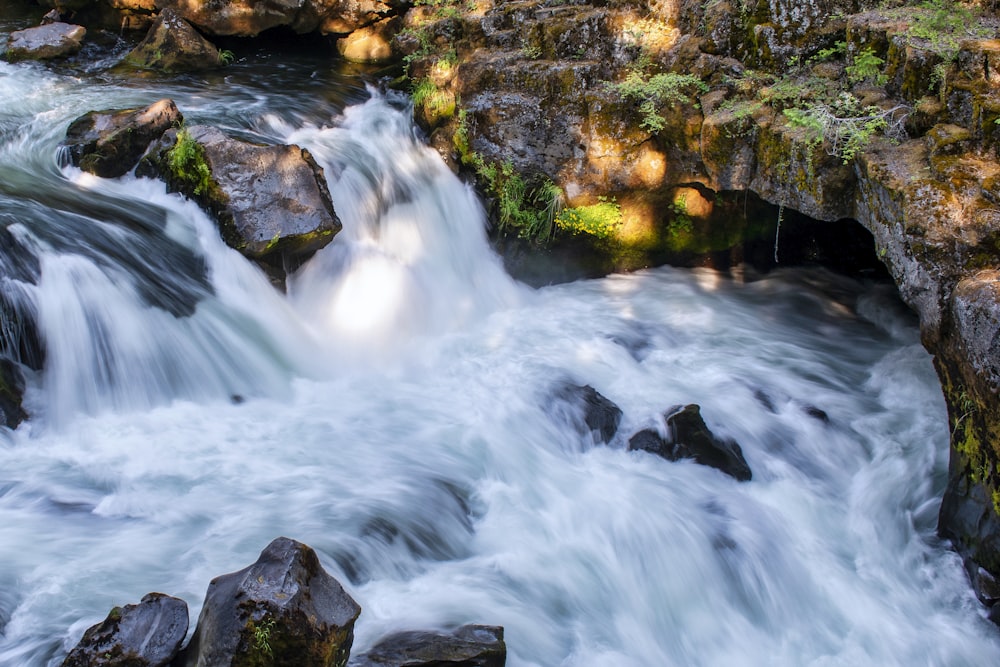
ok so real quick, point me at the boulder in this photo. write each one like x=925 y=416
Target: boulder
x=148 y=634
x=282 y=610
x=268 y=200
x=11 y=391
x=467 y=646
x=110 y=143
x=248 y=18
x=690 y=438
x=370 y=44
x=590 y=411
x=44 y=42
x=172 y=46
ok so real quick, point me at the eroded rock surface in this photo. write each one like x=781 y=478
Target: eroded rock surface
x=45 y=42
x=282 y=610
x=173 y=46
x=467 y=646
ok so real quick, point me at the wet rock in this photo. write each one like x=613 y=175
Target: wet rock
x=173 y=46
x=688 y=437
x=282 y=610
x=148 y=634
x=248 y=18
x=11 y=392
x=268 y=200
x=593 y=412
x=110 y=143
x=467 y=646
x=45 y=42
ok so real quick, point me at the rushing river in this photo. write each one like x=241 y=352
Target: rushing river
x=394 y=411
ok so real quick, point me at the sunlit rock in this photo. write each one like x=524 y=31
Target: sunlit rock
x=148 y=634
x=45 y=42
x=370 y=44
x=268 y=200
x=282 y=610
x=110 y=143
x=172 y=45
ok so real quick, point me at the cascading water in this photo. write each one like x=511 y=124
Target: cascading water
x=396 y=415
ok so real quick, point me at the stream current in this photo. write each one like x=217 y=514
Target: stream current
x=394 y=411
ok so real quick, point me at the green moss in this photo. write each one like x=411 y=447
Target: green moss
x=188 y=165
x=601 y=220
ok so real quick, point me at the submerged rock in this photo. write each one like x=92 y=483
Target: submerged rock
x=268 y=200
x=172 y=46
x=44 y=42
x=148 y=634
x=592 y=412
x=11 y=392
x=690 y=438
x=110 y=143
x=467 y=646
x=282 y=610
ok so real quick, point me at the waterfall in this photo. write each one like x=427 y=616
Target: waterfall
x=396 y=411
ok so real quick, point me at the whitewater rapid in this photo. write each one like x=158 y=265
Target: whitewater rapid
x=394 y=411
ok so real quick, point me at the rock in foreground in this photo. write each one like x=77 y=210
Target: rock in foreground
x=148 y=634
x=109 y=143
x=266 y=199
x=468 y=646
x=282 y=610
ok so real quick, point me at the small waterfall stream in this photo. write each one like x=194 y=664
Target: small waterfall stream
x=395 y=413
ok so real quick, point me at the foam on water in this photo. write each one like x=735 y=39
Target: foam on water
x=397 y=415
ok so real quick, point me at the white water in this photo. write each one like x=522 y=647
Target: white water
x=397 y=418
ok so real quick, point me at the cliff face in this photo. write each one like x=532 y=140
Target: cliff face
x=833 y=108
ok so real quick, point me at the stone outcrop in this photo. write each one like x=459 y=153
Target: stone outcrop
x=148 y=634
x=45 y=42
x=833 y=108
x=688 y=437
x=282 y=610
x=268 y=200
x=467 y=646
x=589 y=411
x=173 y=46
x=110 y=143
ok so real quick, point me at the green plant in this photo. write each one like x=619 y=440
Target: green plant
x=601 y=220
x=434 y=101
x=836 y=51
x=654 y=92
x=528 y=211
x=682 y=222
x=262 y=636
x=866 y=67
x=846 y=127
x=187 y=163
x=226 y=57
x=531 y=51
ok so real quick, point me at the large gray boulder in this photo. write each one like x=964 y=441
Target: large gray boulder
x=268 y=200
x=688 y=437
x=282 y=610
x=148 y=634
x=467 y=646
x=172 y=46
x=44 y=42
x=109 y=143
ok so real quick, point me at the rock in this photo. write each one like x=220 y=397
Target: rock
x=467 y=646
x=173 y=46
x=148 y=634
x=248 y=18
x=592 y=412
x=268 y=200
x=690 y=438
x=110 y=143
x=11 y=391
x=44 y=42
x=282 y=610
x=371 y=44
